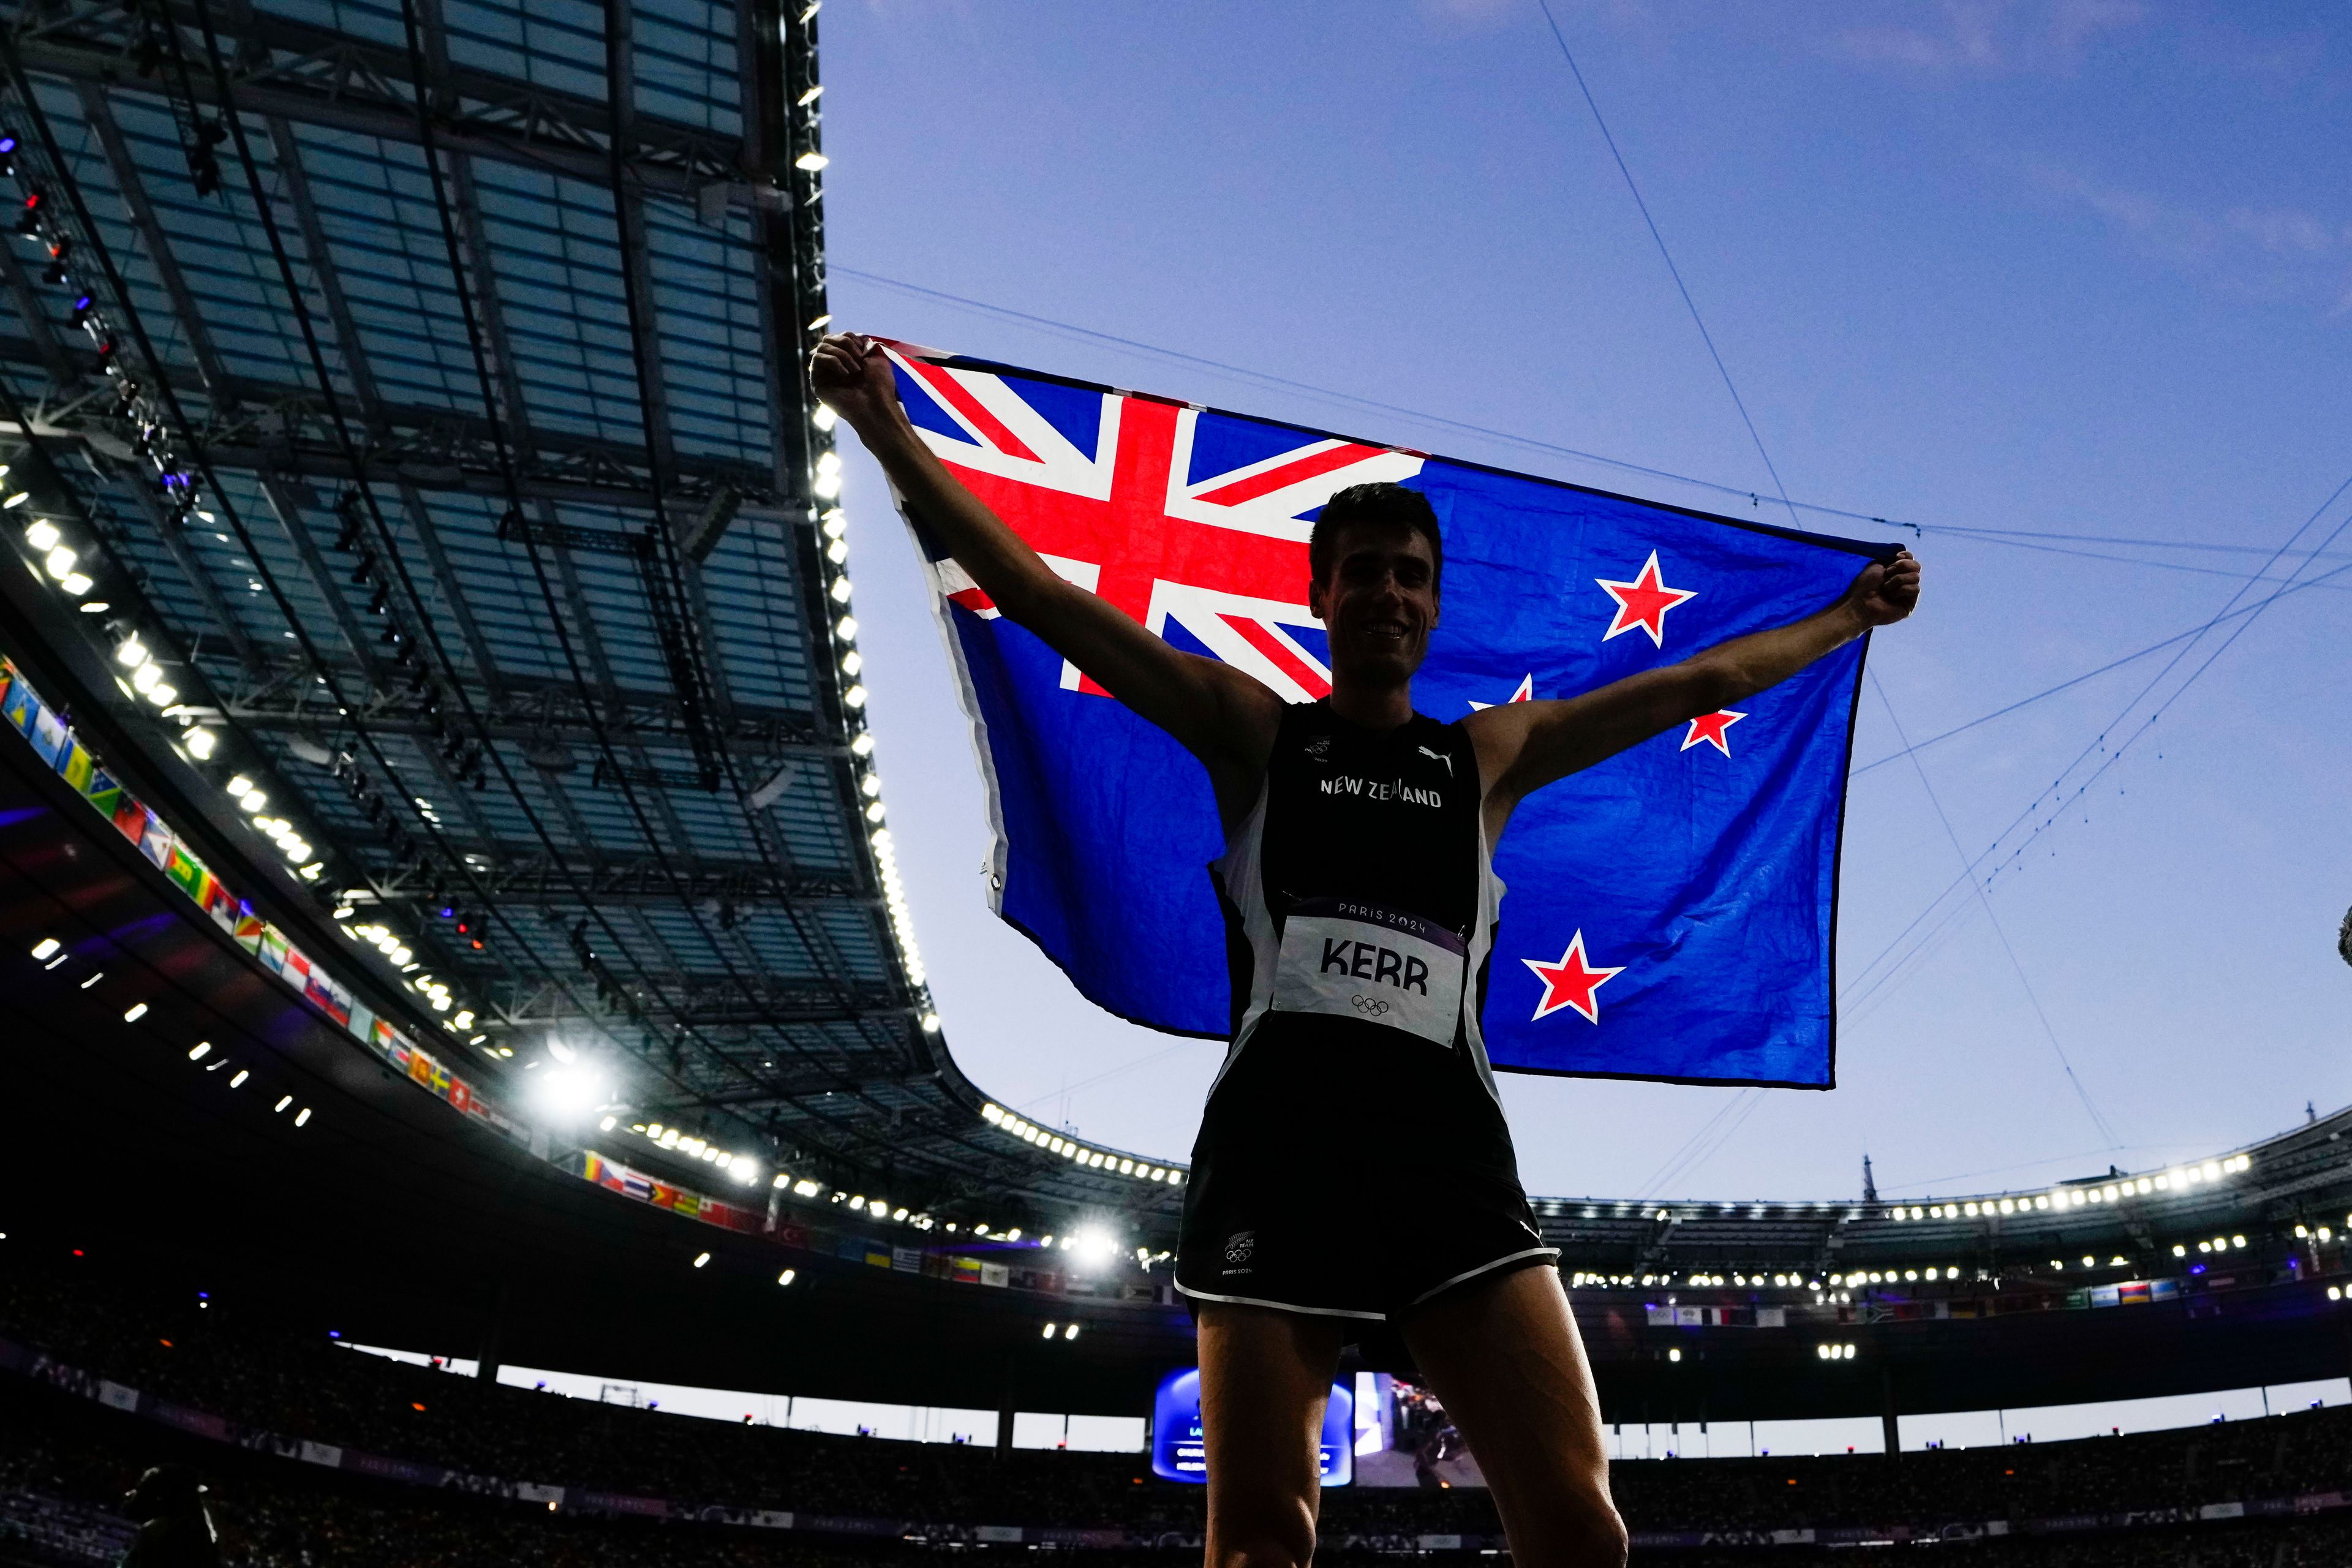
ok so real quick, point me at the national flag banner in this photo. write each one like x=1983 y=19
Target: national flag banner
x=75 y=766
x=49 y=736
x=103 y=790
x=1671 y=912
x=21 y=707
x=186 y=872
x=155 y=839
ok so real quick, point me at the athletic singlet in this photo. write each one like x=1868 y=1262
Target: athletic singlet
x=1359 y=893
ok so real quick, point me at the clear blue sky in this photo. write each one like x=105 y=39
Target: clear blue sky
x=2082 y=268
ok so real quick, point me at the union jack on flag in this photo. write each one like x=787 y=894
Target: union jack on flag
x=1693 y=876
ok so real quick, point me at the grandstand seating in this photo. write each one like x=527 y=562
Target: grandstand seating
x=63 y=1459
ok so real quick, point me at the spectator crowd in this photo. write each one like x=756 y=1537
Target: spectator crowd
x=61 y=1458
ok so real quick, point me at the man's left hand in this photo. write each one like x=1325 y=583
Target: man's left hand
x=1886 y=591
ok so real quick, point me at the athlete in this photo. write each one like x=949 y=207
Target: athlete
x=1360 y=899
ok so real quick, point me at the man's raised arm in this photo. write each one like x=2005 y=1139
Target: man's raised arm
x=1220 y=715
x=1523 y=746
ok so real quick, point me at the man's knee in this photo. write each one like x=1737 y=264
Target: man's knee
x=1580 y=1528
x=1277 y=1547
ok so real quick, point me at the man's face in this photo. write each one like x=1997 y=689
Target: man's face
x=1380 y=602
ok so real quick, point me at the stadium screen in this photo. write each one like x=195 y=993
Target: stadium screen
x=1176 y=1449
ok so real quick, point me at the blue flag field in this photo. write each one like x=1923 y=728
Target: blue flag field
x=1671 y=912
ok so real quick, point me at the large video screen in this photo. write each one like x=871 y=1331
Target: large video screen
x=1405 y=1439
x=1178 y=1455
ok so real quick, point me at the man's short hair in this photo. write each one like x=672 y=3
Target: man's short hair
x=1390 y=505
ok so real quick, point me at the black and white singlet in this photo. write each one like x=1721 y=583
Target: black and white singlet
x=1353 y=1160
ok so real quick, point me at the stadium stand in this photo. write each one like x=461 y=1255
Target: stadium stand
x=223 y=1392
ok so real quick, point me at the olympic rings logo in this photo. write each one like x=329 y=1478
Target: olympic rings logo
x=1371 y=1006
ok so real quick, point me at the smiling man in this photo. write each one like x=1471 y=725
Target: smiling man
x=1360 y=899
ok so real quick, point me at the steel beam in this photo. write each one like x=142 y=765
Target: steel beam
x=510 y=873
x=318 y=76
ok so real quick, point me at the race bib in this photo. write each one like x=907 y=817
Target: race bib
x=1354 y=960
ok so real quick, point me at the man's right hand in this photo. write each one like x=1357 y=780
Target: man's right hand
x=852 y=375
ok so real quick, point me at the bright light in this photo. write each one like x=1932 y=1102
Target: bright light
x=788 y=1276
x=701 y=1258
x=198 y=1051
x=1071 y=1332
x=561 y=1052
x=131 y=654
x=76 y=583
x=1674 y=1354
x=45 y=946
x=43 y=534
x=1049 y=1330
x=202 y=743
x=138 y=1011
x=60 y=562
x=607 y=1124
x=854 y=696
x=570 y=1091
x=239 y=1081
x=810 y=161
x=145 y=676
x=807 y=1189
x=742 y=1169
x=304 y=1117
x=283 y=1102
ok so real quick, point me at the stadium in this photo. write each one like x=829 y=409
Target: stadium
x=376 y=751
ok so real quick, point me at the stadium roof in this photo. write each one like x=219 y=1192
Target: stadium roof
x=430 y=372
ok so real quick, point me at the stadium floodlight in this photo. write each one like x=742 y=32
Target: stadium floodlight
x=198 y=1051
x=138 y=1011
x=43 y=534
x=303 y=1117
x=561 y=1052
x=807 y=1189
x=201 y=744
x=607 y=1124
x=700 y=1259
x=811 y=162
x=1013 y=1234
x=788 y=1276
x=60 y=562
x=284 y=1100
x=131 y=654
x=77 y=583
x=239 y=1081
x=45 y=946
x=1071 y=1332
x=782 y=1180
x=864 y=745
x=1049 y=1330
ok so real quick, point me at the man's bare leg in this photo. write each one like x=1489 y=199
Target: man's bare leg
x=1264 y=1376
x=1503 y=1356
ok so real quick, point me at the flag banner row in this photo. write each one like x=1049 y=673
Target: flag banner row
x=54 y=742
x=1671 y=911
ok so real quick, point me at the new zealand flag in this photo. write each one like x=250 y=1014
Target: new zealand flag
x=1671 y=911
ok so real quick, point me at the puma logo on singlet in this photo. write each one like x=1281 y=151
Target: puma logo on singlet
x=1439 y=757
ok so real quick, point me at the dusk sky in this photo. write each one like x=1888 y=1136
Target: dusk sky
x=2080 y=271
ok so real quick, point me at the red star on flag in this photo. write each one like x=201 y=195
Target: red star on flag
x=1526 y=692
x=1643 y=603
x=1572 y=982
x=1707 y=728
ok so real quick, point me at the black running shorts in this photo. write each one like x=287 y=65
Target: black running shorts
x=1351 y=1173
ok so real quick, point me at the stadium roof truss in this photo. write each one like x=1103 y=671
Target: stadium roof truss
x=431 y=368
